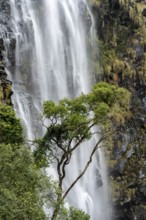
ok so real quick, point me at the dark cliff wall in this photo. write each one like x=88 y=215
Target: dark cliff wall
x=121 y=28
x=5 y=84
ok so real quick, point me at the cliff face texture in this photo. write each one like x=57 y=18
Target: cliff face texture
x=5 y=84
x=121 y=28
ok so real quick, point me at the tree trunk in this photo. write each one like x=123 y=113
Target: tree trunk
x=55 y=213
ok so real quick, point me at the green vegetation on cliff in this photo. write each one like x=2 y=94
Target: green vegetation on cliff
x=121 y=28
x=122 y=39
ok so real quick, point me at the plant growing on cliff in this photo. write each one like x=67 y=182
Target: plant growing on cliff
x=70 y=123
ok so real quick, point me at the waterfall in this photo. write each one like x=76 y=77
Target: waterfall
x=46 y=58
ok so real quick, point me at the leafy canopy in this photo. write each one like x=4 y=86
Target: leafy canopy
x=23 y=188
x=70 y=121
x=10 y=128
x=20 y=185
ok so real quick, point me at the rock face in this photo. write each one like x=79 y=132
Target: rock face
x=5 y=84
x=121 y=27
x=86 y=17
x=4 y=16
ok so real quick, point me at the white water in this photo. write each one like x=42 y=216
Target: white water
x=50 y=62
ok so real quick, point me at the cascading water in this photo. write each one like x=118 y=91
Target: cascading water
x=50 y=62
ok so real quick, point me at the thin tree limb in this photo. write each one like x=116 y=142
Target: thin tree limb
x=85 y=168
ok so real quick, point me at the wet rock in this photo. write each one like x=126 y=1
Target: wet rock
x=145 y=48
x=4 y=17
x=85 y=15
x=99 y=179
x=5 y=84
x=144 y=12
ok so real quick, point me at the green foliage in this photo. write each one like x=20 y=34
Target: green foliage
x=10 y=128
x=71 y=214
x=70 y=121
x=24 y=190
x=117 y=21
x=75 y=214
x=69 y=124
x=21 y=185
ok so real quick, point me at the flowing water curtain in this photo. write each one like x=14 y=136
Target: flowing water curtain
x=51 y=62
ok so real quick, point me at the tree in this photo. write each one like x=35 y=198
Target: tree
x=71 y=122
x=21 y=185
x=75 y=214
x=10 y=128
x=23 y=188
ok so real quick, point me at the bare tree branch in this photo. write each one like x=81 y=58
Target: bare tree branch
x=85 y=168
x=56 y=142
